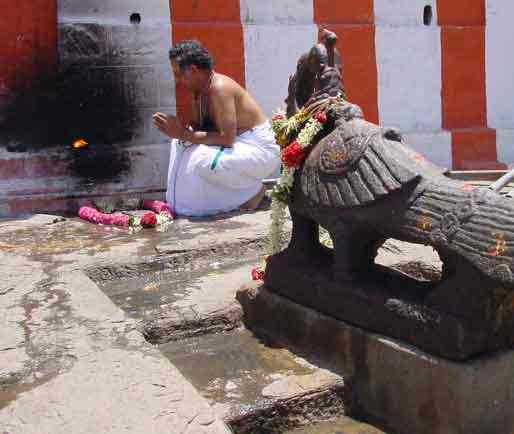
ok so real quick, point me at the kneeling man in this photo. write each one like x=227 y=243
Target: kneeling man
x=217 y=162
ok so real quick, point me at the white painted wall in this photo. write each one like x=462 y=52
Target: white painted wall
x=435 y=146
x=403 y=12
x=409 y=77
x=277 y=12
x=276 y=34
x=500 y=64
x=271 y=56
x=505 y=146
x=115 y=11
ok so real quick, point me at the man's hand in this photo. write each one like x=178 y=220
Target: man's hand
x=169 y=125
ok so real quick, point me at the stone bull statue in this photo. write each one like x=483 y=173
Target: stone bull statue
x=364 y=185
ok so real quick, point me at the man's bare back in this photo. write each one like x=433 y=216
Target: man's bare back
x=248 y=112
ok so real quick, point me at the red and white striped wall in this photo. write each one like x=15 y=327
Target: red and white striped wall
x=447 y=84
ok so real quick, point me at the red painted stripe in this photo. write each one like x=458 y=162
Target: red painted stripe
x=463 y=76
x=475 y=149
x=352 y=20
x=217 y=25
x=39 y=166
x=461 y=12
x=28 y=46
x=344 y=12
x=357 y=47
x=205 y=10
x=464 y=99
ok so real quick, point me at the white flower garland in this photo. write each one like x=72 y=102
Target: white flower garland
x=281 y=193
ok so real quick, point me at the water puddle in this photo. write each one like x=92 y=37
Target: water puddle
x=234 y=368
x=141 y=297
x=235 y=371
x=60 y=238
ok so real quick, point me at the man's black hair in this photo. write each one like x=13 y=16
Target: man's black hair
x=191 y=52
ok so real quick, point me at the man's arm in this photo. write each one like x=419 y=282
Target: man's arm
x=224 y=106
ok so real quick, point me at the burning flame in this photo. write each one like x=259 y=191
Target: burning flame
x=79 y=144
x=500 y=247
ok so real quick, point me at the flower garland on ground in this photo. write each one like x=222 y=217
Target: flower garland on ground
x=160 y=214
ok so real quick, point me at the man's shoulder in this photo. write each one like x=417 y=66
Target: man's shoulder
x=223 y=84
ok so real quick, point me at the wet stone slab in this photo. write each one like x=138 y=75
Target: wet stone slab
x=233 y=368
x=342 y=425
x=241 y=375
x=243 y=378
x=211 y=287
x=64 y=338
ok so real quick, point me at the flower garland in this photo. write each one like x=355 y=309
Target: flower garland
x=295 y=136
x=160 y=214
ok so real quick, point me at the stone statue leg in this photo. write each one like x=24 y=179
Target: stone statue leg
x=305 y=234
x=355 y=251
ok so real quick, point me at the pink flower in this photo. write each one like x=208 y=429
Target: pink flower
x=158 y=207
x=257 y=273
x=149 y=220
x=293 y=155
x=92 y=215
x=278 y=117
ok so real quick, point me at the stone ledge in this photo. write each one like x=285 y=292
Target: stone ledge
x=303 y=408
x=184 y=323
x=395 y=385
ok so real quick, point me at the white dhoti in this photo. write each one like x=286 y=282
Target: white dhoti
x=205 y=180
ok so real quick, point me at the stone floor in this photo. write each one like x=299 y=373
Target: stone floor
x=71 y=361
x=72 y=297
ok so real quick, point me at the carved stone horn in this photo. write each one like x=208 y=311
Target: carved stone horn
x=329 y=40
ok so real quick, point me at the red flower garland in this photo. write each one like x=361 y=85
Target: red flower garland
x=293 y=155
x=278 y=117
x=149 y=220
x=158 y=207
x=321 y=117
x=257 y=273
x=92 y=215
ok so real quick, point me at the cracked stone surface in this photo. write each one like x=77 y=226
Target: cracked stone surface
x=73 y=362
x=70 y=360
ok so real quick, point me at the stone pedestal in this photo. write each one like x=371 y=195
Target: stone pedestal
x=406 y=390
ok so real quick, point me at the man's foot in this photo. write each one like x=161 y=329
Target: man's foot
x=255 y=201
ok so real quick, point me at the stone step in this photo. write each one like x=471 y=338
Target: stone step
x=342 y=425
x=68 y=203
x=406 y=389
x=60 y=179
x=246 y=381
